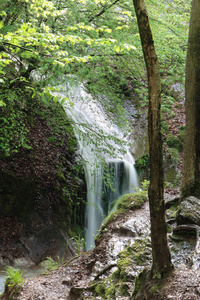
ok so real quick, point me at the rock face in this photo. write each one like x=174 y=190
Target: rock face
x=189 y=211
x=42 y=195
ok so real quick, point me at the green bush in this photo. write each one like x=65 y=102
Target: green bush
x=173 y=142
x=173 y=155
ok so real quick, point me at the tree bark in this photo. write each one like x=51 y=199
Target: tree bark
x=160 y=250
x=190 y=184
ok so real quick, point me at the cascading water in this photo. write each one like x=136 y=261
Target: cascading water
x=124 y=180
x=87 y=117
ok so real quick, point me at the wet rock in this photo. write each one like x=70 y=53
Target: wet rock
x=124 y=231
x=177 y=91
x=47 y=242
x=181 y=229
x=23 y=262
x=171 y=202
x=189 y=211
x=4 y=262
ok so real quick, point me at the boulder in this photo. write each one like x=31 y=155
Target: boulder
x=189 y=211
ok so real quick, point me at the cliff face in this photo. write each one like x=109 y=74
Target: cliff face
x=42 y=189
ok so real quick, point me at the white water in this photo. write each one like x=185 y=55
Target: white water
x=89 y=118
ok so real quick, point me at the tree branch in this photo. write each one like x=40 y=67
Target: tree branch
x=105 y=270
x=105 y=8
x=23 y=48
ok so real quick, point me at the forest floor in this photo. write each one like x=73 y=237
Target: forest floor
x=73 y=278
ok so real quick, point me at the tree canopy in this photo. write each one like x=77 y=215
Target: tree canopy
x=98 y=41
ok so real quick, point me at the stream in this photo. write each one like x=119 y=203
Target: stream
x=28 y=273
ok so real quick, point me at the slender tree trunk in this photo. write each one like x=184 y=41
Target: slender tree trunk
x=161 y=253
x=190 y=184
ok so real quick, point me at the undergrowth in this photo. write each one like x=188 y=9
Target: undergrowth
x=14 y=280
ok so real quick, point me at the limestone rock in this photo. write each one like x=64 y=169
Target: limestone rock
x=189 y=211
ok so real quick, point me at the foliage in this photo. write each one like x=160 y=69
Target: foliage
x=145 y=185
x=98 y=41
x=14 y=280
x=80 y=243
x=170 y=29
x=142 y=165
x=173 y=155
x=13 y=130
x=50 y=264
x=172 y=141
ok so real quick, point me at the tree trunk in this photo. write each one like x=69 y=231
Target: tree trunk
x=190 y=184
x=161 y=253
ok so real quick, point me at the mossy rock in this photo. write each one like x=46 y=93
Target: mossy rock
x=124 y=290
x=100 y=289
x=189 y=211
x=110 y=291
x=138 y=255
x=132 y=201
x=127 y=202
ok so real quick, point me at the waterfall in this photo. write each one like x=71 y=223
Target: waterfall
x=87 y=118
x=124 y=180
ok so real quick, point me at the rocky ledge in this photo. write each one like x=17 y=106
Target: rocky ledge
x=122 y=250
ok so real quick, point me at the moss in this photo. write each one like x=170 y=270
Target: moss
x=60 y=175
x=115 y=274
x=154 y=289
x=172 y=212
x=110 y=291
x=139 y=254
x=132 y=201
x=100 y=289
x=123 y=263
x=126 y=202
x=124 y=290
x=169 y=229
x=140 y=282
x=109 y=219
